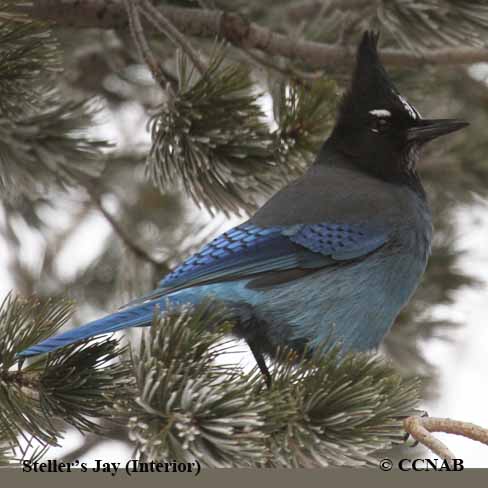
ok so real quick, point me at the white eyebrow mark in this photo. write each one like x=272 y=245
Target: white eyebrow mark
x=380 y=112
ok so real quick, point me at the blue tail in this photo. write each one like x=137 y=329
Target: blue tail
x=136 y=316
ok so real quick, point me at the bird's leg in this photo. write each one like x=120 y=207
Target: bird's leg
x=422 y=413
x=258 y=356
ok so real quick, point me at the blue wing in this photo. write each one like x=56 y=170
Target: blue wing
x=248 y=250
x=262 y=254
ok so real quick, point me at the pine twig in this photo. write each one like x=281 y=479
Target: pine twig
x=421 y=428
x=161 y=23
x=137 y=33
x=285 y=71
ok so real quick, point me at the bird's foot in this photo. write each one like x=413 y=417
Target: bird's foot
x=422 y=413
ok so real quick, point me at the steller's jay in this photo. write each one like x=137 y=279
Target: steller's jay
x=333 y=256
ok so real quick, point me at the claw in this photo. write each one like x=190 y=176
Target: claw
x=258 y=356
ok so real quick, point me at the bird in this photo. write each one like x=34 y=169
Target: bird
x=335 y=255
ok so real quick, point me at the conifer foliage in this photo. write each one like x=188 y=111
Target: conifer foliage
x=153 y=116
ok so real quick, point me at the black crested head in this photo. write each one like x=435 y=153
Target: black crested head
x=371 y=87
x=377 y=129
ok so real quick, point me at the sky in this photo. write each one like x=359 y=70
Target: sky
x=463 y=362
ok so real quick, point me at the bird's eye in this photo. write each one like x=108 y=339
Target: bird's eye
x=379 y=124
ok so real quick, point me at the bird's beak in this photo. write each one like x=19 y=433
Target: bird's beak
x=426 y=130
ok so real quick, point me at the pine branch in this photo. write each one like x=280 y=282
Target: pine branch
x=316 y=414
x=319 y=411
x=240 y=32
x=76 y=384
x=24 y=322
x=48 y=148
x=28 y=52
x=43 y=141
x=420 y=428
x=320 y=405
x=212 y=137
x=80 y=383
